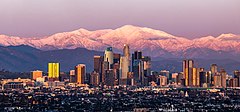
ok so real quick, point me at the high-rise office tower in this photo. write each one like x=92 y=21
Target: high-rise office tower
x=109 y=78
x=180 y=80
x=108 y=56
x=105 y=66
x=124 y=69
x=116 y=72
x=198 y=77
x=209 y=77
x=124 y=65
x=73 y=78
x=195 y=73
x=95 y=79
x=98 y=65
x=97 y=61
x=138 y=71
x=146 y=65
x=137 y=55
x=80 y=72
x=138 y=67
x=214 y=69
x=237 y=76
x=217 y=80
x=36 y=74
x=223 y=74
x=126 y=51
x=188 y=72
x=53 y=71
x=203 y=78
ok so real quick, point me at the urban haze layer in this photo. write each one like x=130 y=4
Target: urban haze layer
x=123 y=82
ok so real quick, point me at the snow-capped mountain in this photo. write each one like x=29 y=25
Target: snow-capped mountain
x=151 y=42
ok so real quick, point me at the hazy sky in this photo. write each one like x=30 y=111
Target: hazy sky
x=188 y=18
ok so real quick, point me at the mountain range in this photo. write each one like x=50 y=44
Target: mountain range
x=152 y=42
x=79 y=46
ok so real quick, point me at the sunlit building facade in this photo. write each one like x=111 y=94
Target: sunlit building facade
x=53 y=71
x=36 y=74
x=80 y=72
x=188 y=72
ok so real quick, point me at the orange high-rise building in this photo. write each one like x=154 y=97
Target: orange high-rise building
x=80 y=72
x=36 y=74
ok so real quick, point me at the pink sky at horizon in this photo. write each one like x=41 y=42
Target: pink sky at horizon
x=186 y=18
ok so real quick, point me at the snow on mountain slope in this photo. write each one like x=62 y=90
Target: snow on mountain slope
x=7 y=41
x=152 y=42
x=140 y=38
x=224 y=42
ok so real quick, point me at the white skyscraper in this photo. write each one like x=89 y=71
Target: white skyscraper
x=108 y=56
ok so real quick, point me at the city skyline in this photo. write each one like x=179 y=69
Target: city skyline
x=114 y=69
x=192 y=19
x=120 y=55
x=119 y=78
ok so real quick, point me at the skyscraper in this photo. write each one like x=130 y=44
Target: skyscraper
x=223 y=74
x=180 y=80
x=217 y=80
x=116 y=73
x=195 y=77
x=80 y=72
x=108 y=56
x=146 y=65
x=105 y=66
x=214 y=69
x=209 y=78
x=237 y=76
x=95 y=79
x=124 y=65
x=124 y=69
x=188 y=72
x=126 y=51
x=137 y=55
x=97 y=61
x=137 y=67
x=203 y=78
x=73 y=78
x=53 y=71
x=109 y=78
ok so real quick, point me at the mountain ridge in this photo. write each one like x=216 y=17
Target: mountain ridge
x=154 y=42
x=24 y=58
